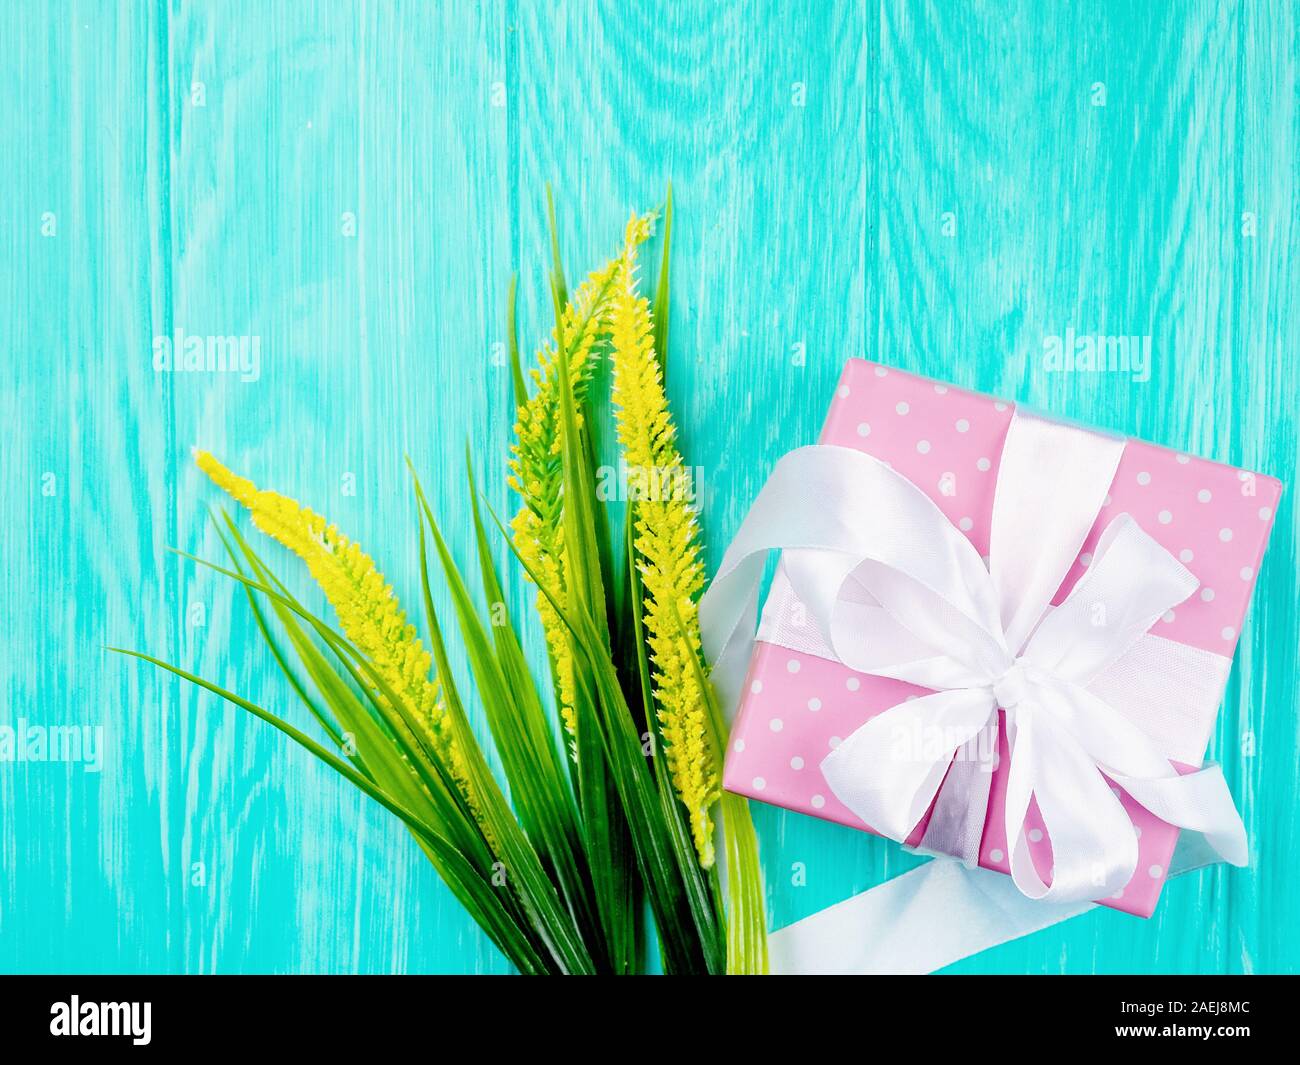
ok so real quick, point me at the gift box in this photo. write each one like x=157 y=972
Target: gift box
x=798 y=701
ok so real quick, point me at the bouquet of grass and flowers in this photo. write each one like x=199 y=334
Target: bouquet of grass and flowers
x=611 y=803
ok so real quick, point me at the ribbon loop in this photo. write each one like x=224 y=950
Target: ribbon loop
x=1131 y=582
x=1052 y=479
x=891 y=767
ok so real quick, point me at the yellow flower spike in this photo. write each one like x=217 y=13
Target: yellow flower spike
x=667 y=543
x=536 y=465
x=368 y=611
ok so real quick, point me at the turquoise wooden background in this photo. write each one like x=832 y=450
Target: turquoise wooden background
x=938 y=185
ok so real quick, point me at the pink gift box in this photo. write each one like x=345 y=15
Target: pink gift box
x=796 y=706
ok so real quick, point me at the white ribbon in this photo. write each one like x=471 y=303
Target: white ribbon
x=896 y=591
x=929 y=917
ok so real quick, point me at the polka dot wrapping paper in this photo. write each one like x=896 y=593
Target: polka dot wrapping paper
x=797 y=706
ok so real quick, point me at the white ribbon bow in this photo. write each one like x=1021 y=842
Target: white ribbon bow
x=897 y=591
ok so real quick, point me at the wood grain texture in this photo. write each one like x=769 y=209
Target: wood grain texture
x=935 y=185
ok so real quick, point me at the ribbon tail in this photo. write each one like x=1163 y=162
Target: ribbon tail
x=930 y=917
x=1197 y=801
x=1093 y=855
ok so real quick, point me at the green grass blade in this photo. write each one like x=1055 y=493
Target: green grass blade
x=607 y=839
x=582 y=547
x=747 y=953
x=659 y=312
x=520 y=684
x=599 y=776
x=366 y=739
x=471 y=888
x=545 y=807
x=368 y=744
x=746 y=916
x=326 y=722
x=593 y=852
x=536 y=891
x=390 y=709
x=557 y=265
x=517 y=383
x=687 y=947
